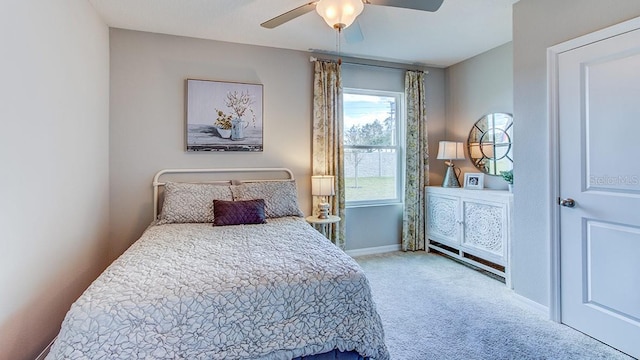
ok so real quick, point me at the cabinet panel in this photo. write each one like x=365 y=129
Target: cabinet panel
x=471 y=226
x=484 y=230
x=442 y=218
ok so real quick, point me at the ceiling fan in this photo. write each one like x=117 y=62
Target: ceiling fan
x=339 y=14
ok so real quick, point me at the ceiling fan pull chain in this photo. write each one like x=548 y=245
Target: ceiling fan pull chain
x=338 y=43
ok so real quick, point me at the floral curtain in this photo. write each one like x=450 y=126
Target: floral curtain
x=328 y=155
x=417 y=163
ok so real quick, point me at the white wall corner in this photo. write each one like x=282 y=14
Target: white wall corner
x=532 y=304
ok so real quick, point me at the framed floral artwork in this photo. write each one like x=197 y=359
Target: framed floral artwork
x=223 y=116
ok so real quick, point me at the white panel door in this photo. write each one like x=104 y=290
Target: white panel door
x=599 y=134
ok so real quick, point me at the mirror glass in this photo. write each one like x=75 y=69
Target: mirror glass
x=490 y=143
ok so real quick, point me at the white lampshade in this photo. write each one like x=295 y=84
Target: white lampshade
x=451 y=150
x=322 y=185
x=339 y=13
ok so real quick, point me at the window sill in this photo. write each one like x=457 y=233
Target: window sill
x=365 y=205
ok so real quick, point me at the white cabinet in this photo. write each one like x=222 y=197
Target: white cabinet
x=471 y=225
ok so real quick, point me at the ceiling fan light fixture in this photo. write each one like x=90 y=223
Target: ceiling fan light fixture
x=339 y=14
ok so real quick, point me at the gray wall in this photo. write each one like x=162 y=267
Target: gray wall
x=148 y=73
x=539 y=24
x=54 y=133
x=480 y=85
x=147 y=122
x=376 y=226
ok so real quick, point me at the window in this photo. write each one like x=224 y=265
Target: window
x=372 y=146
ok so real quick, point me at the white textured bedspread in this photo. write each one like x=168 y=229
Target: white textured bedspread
x=193 y=291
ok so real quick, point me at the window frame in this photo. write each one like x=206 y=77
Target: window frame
x=399 y=147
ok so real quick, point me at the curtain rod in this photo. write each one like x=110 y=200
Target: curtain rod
x=349 y=62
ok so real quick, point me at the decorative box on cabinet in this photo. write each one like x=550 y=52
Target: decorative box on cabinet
x=471 y=225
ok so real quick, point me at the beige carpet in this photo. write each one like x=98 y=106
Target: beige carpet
x=435 y=308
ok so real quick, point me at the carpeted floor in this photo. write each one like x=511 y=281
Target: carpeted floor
x=435 y=308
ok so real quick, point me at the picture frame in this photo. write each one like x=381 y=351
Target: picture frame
x=474 y=181
x=223 y=116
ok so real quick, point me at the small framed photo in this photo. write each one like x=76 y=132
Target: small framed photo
x=474 y=181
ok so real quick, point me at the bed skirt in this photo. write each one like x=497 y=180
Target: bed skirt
x=333 y=355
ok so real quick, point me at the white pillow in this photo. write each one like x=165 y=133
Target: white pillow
x=191 y=203
x=280 y=197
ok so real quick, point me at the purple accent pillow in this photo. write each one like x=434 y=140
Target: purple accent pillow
x=238 y=212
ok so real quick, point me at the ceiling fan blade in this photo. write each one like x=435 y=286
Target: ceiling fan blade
x=353 y=33
x=289 y=15
x=423 y=5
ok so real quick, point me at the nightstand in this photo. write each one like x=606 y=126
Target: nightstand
x=322 y=224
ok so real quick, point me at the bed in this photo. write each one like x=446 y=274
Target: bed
x=228 y=270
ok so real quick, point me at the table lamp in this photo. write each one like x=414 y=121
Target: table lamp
x=322 y=185
x=450 y=150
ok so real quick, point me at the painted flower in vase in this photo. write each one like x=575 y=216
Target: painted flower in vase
x=239 y=103
x=223 y=124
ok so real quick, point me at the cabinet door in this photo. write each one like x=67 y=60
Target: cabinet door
x=442 y=219
x=484 y=233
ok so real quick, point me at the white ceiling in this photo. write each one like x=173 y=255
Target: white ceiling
x=459 y=30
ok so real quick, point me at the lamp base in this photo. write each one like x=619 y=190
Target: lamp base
x=323 y=211
x=450 y=179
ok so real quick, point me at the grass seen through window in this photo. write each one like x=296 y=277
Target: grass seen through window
x=370 y=188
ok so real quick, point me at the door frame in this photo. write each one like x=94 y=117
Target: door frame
x=553 y=103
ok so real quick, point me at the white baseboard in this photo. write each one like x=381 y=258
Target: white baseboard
x=373 y=250
x=532 y=304
x=45 y=352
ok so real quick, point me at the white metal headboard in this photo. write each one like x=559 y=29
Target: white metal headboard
x=157 y=183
